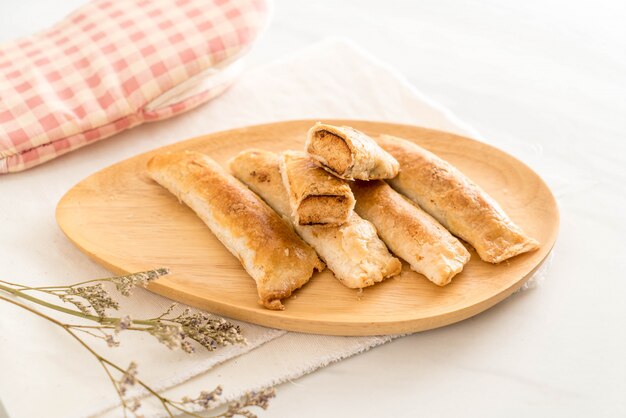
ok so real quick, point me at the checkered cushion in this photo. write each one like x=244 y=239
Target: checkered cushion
x=102 y=69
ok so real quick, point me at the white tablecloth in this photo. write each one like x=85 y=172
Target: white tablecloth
x=544 y=83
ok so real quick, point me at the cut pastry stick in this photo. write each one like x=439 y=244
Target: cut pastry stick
x=409 y=232
x=349 y=154
x=316 y=197
x=352 y=251
x=455 y=201
x=270 y=251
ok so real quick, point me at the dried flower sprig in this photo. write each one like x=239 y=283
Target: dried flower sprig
x=91 y=300
x=260 y=399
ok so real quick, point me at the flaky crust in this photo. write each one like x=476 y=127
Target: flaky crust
x=455 y=201
x=276 y=258
x=410 y=232
x=365 y=159
x=352 y=251
x=316 y=197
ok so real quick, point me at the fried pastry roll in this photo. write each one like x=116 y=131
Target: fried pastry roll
x=352 y=251
x=409 y=232
x=315 y=196
x=267 y=247
x=455 y=201
x=349 y=154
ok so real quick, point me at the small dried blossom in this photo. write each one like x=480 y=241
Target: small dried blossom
x=259 y=399
x=111 y=341
x=124 y=323
x=129 y=378
x=169 y=334
x=81 y=306
x=97 y=296
x=208 y=331
x=205 y=399
x=126 y=284
x=186 y=346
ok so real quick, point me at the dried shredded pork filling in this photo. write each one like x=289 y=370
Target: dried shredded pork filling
x=323 y=209
x=332 y=149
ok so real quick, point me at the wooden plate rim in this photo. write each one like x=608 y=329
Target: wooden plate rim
x=278 y=319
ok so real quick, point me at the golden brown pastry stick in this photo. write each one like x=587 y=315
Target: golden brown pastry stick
x=270 y=251
x=352 y=251
x=316 y=197
x=349 y=154
x=409 y=232
x=455 y=201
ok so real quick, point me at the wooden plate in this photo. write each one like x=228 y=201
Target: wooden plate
x=128 y=223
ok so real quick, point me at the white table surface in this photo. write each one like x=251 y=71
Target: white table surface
x=549 y=77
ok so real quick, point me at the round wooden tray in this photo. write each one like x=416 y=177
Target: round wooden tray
x=127 y=222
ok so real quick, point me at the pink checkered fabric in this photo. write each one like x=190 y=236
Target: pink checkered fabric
x=93 y=74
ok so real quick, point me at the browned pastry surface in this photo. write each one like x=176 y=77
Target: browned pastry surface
x=316 y=197
x=270 y=251
x=352 y=251
x=409 y=232
x=348 y=153
x=455 y=201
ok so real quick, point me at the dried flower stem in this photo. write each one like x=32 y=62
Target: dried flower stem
x=103 y=361
x=18 y=292
x=172 y=331
x=100 y=319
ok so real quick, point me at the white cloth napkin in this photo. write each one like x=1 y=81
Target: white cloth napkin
x=333 y=79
